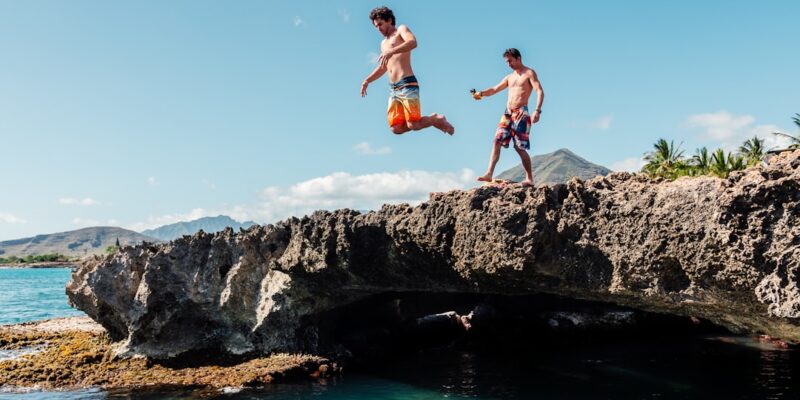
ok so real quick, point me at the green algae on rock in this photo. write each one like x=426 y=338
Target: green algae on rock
x=72 y=359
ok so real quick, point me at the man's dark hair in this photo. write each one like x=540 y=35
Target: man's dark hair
x=383 y=13
x=512 y=52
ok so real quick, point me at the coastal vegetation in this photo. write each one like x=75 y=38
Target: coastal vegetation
x=30 y=258
x=668 y=161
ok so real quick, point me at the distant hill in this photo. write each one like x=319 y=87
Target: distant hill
x=556 y=167
x=207 y=224
x=78 y=243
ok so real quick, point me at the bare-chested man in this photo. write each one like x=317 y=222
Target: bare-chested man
x=516 y=121
x=404 y=109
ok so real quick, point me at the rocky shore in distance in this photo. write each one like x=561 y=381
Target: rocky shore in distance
x=48 y=264
x=75 y=352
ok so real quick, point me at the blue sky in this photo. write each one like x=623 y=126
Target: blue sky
x=138 y=114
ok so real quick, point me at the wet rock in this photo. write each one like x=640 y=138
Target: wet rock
x=79 y=356
x=584 y=320
x=725 y=250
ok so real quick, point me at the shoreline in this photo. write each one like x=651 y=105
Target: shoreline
x=44 y=264
x=75 y=353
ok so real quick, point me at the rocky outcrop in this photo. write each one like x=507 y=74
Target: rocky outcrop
x=727 y=250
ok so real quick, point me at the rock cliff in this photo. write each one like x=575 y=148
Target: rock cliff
x=726 y=250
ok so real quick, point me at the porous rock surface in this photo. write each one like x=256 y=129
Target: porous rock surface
x=727 y=250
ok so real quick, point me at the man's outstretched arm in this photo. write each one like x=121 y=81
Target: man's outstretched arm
x=377 y=73
x=498 y=88
x=537 y=86
x=409 y=43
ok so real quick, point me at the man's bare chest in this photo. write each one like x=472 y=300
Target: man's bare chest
x=519 y=82
x=393 y=41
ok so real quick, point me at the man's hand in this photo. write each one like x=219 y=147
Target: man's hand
x=384 y=58
x=476 y=95
x=536 y=115
x=364 y=88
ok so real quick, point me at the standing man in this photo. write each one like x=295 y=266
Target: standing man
x=404 y=109
x=516 y=121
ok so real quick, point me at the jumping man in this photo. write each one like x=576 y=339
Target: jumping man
x=404 y=109
x=516 y=121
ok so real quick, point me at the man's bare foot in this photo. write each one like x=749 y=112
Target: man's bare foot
x=437 y=121
x=440 y=123
x=485 y=178
x=448 y=128
x=527 y=183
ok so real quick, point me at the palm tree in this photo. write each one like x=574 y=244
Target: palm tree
x=795 y=139
x=722 y=165
x=736 y=163
x=701 y=162
x=719 y=164
x=683 y=168
x=663 y=160
x=752 y=151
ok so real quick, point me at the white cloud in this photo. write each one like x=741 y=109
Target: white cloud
x=88 y=201
x=84 y=222
x=721 y=125
x=112 y=222
x=331 y=192
x=364 y=148
x=345 y=15
x=372 y=58
x=298 y=22
x=360 y=192
x=732 y=130
x=633 y=164
x=152 y=181
x=11 y=219
x=603 y=124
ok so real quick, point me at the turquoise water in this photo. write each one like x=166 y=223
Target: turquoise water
x=631 y=367
x=30 y=294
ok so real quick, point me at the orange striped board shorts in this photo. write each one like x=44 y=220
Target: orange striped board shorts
x=404 y=101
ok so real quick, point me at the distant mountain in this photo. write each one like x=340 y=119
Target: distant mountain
x=207 y=224
x=556 y=167
x=76 y=243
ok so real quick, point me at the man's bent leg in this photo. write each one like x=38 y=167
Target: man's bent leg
x=399 y=129
x=487 y=177
x=526 y=163
x=422 y=123
x=437 y=121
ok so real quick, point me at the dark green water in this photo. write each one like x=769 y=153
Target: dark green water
x=723 y=367
x=663 y=367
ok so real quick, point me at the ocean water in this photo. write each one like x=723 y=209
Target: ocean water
x=30 y=294
x=688 y=366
